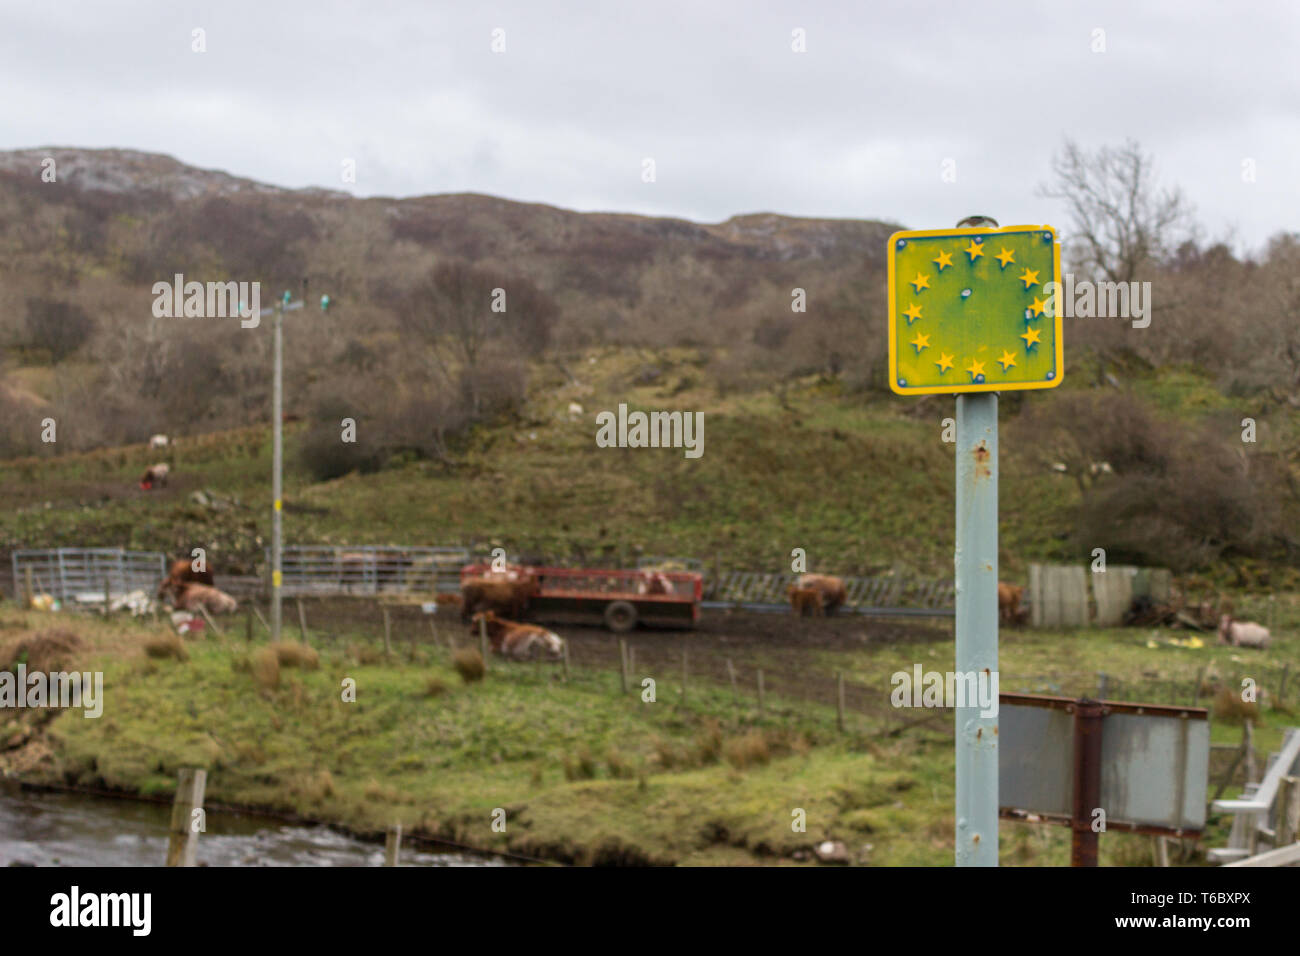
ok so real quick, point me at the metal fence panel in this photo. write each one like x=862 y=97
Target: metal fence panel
x=349 y=569
x=72 y=574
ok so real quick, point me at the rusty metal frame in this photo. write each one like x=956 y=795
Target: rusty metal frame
x=1089 y=716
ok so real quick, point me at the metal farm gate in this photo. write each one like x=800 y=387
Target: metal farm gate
x=349 y=569
x=80 y=574
x=893 y=596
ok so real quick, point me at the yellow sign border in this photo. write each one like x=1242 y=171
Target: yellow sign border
x=973 y=387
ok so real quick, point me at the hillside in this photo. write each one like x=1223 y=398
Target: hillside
x=464 y=433
x=864 y=486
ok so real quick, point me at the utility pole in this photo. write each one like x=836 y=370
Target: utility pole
x=277 y=456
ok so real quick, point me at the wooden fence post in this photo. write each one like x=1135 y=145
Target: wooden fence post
x=839 y=700
x=393 y=845
x=1281 y=687
x=622 y=663
x=760 y=693
x=108 y=600
x=388 y=632
x=566 y=659
x=183 y=838
x=302 y=623
x=248 y=622
x=731 y=673
x=216 y=628
x=28 y=592
x=1248 y=744
x=1288 y=811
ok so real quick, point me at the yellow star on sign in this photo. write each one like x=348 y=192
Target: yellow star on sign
x=974 y=250
x=1038 y=306
x=921 y=282
x=1029 y=278
x=1030 y=336
x=1007 y=360
x=920 y=342
x=975 y=368
x=945 y=259
x=913 y=312
x=944 y=363
x=1006 y=257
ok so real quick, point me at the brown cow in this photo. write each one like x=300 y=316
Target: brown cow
x=805 y=601
x=503 y=597
x=190 y=596
x=520 y=642
x=182 y=571
x=1009 y=596
x=831 y=588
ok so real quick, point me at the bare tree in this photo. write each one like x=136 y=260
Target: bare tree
x=1123 y=225
x=469 y=313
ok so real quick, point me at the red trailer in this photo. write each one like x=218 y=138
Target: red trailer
x=619 y=599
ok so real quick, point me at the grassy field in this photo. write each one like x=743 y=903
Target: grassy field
x=583 y=772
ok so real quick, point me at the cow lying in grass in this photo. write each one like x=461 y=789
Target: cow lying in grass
x=805 y=601
x=520 y=642
x=190 y=596
x=1243 y=633
x=503 y=597
x=831 y=588
x=182 y=572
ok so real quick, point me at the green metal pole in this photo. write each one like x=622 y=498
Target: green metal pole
x=976 y=562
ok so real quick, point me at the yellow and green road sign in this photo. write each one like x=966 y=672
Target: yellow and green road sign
x=969 y=310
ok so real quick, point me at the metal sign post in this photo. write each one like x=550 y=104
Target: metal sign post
x=976 y=561
x=971 y=313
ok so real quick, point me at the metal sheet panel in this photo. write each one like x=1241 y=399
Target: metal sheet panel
x=1154 y=766
x=1035 y=766
x=1155 y=770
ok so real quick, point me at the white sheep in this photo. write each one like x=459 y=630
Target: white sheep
x=159 y=441
x=1243 y=633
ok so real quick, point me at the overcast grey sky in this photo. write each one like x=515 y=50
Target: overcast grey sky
x=857 y=126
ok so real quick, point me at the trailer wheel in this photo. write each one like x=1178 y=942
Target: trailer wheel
x=620 y=617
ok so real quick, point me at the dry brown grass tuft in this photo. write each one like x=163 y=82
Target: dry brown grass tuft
x=365 y=654
x=435 y=687
x=44 y=651
x=265 y=667
x=291 y=654
x=163 y=646
x=469 y=664
x=749 y=750
x=580 y=765
x=1229 y=706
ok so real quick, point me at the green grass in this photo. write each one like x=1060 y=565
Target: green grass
x=584 y=773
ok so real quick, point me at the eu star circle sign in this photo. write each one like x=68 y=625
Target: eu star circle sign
x=974 y=310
